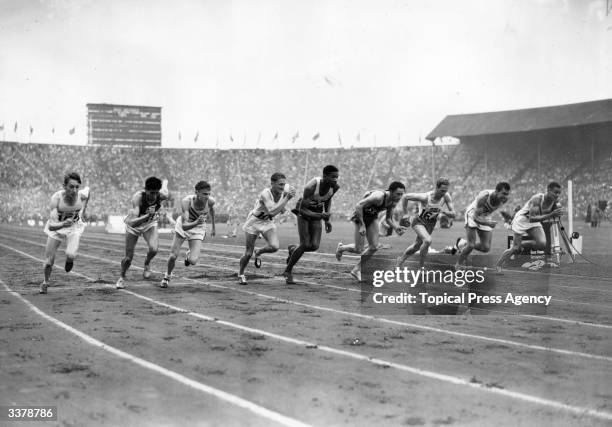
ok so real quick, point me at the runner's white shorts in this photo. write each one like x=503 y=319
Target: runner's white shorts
x=138 y=231
x=521 y=225
x=196 y=233
x=74 y=231
x=258 y=226
x=469 y=222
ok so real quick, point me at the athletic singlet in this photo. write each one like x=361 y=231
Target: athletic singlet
x=488 y=208
x=260 y=210
x=317 y=202
x=144 y=205
x=524 y=211
x=427 y=211
x=194 y=213
x=65 y=211
x=372 y=211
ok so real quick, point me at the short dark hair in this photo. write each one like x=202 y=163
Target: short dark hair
x=552 y=185
x=202 y=185
x=71 y=175
x=502 y=186
x=153 y=184
x=276 y=176
x=395 y=185
x=442 y=181
x=329 y=169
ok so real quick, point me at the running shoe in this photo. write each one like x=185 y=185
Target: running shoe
x=147 y=271
x=339 y=251
x=165 y=282
x=288 y=278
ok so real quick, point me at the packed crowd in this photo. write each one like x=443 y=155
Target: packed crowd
x=30 y=173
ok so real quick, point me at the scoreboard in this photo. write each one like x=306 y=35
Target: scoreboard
x=111 y=124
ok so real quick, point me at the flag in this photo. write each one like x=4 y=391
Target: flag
x=71 y=131
x=179 y=135
x=31 y=130
x=2 y=126
x=339 y=139
x=197 y=135
x=231 y=138
x=276 y=136
x=315 y=136
x=294 y=137
x=15 y=128
x=53 y=130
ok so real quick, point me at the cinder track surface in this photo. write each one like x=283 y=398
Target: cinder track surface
x=207 y=351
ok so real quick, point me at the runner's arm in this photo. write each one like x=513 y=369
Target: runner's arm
x=479 y=213
x=276 y=208
x=451 y=208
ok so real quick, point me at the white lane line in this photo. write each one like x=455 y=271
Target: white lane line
x=349 y=354
x=219 y=394
x=234 y=270
x=369 y=317
x=575 y=288
x=355 y=257
x=549 y=318
x=588 y=304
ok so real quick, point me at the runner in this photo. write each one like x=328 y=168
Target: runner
x=142 y=221
x=365 y=220
x=191 y=225
x=527 y=223
x=478 y=223
x=65 y=223
x=311 y=209
x=271 y=202
x=430 y=208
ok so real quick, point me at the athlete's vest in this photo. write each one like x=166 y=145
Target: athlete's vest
x=317 y=202
x=525 y=210
x=372 y=211
x=428 y=210
x=488 y=208
x=260 y=210
x=65 y=212
x=144 y=205
x=195 y=213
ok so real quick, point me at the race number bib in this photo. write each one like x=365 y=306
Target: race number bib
x=429 y=214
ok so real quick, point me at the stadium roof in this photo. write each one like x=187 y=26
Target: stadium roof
x=527 y=120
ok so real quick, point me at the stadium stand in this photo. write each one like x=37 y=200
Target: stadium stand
x=114 y=173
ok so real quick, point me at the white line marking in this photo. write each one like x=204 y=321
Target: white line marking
x=572 y=276
x=550 y=318
x=547 y=274
x=341 y=277
x=219 y=394
x=349 y=354
x=379 y=319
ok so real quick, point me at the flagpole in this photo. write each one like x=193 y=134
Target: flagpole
x=306 y=167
